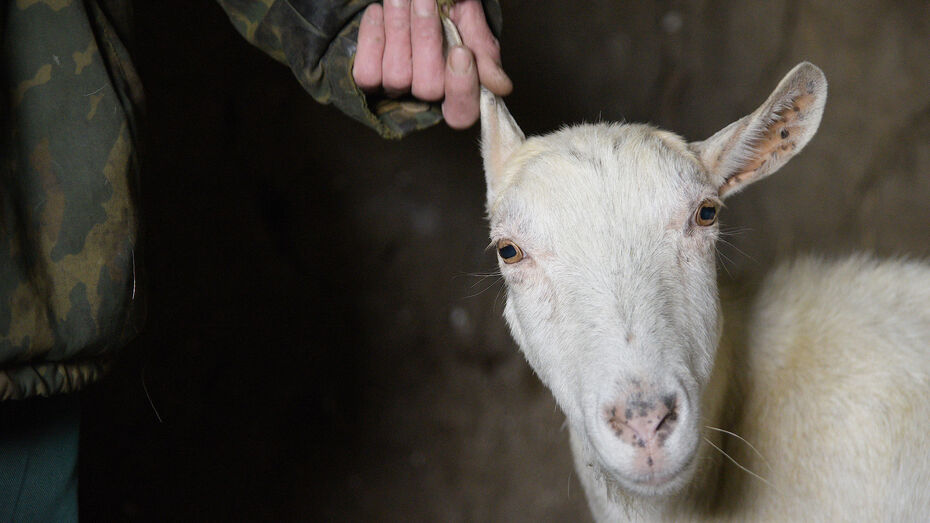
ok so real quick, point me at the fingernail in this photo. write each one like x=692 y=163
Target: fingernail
x=460 y=60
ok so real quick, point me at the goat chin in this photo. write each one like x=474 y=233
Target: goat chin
x=654 y=485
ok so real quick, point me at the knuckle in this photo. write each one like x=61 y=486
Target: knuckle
x=488 y=45
x=373 y=14
x=426 y=35
x=396 y=80
x=364 y=70
x=427 y=90
x=376 y=38
x=397 y=24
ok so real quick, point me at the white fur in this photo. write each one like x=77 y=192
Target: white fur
x=615 y=300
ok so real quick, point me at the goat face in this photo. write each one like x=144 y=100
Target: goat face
x=606 y=238
x=613 y=294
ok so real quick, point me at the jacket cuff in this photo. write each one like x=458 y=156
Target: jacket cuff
x=318 y=40
x=391 y=118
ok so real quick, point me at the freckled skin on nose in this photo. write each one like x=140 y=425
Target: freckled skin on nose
x=644 y=421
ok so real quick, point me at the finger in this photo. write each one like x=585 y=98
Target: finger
x=460 y=108
x=426 y=41
x=396 y=67
x=367 y=67
x=469 y=17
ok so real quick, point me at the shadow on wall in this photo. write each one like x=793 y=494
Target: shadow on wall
x=324 y=335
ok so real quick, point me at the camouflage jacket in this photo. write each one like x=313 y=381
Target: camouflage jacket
x=69 y=102
x=68 y=222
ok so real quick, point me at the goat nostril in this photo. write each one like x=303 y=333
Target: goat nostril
x=662 y=422
x=638 y=420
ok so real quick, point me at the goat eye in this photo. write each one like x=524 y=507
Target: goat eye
x=706 y=214
x=509 y=252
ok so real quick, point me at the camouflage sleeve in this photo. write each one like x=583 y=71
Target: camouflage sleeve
x=317 y=40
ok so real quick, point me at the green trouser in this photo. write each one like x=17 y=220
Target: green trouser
x=38 y=459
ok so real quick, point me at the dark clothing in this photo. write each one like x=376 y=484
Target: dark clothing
x=68 y=220
x=70 y=293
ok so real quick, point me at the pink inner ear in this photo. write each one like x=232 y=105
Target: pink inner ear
x=777 y=142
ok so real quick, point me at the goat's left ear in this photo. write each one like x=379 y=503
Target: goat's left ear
x=759 y=144
x=500 y=137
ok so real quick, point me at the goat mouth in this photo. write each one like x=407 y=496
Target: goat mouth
x=656 y=483
x=658 y=480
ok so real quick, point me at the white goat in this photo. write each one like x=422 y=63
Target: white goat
x=606 y=237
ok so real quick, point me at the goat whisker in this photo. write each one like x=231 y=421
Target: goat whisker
x=734 y=231
x=482 y=278
x=751 y=473
x=737 y=249
x=501 y=297
x=485 y=289
x=744 y=440
x=723 y=261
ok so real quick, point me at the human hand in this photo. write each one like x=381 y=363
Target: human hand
x=400 y=50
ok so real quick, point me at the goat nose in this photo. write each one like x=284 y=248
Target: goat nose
x=643 y=421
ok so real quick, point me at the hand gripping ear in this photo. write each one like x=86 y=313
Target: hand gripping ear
x=500 y=134
x=759 y=144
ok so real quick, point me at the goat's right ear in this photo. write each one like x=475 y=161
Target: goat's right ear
x=759 y=144
x=500 y=137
